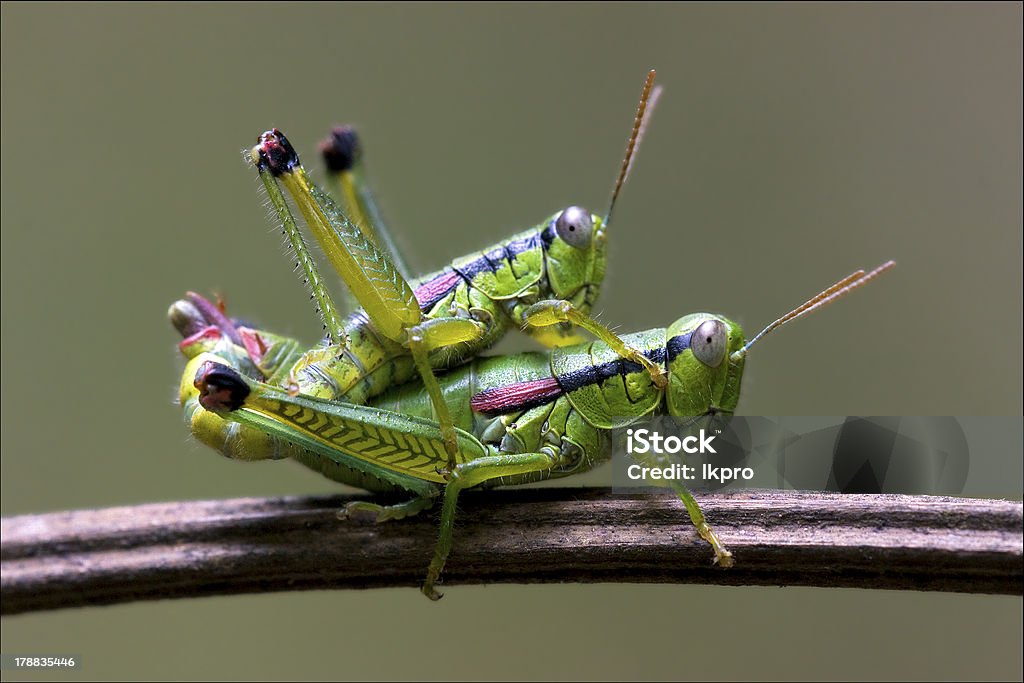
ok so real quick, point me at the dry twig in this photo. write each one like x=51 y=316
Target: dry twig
x=174 y=550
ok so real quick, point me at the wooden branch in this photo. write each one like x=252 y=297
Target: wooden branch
x=176 y=550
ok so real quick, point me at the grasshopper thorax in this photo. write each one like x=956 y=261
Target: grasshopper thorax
x=704 y=377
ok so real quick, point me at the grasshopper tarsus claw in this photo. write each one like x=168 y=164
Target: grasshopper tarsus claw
x=340 y=149
x=361 y=512
x=274 y=153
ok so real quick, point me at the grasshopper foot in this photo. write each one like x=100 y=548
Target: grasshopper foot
x=361 y=512
x=365 y=512
x=723 y=558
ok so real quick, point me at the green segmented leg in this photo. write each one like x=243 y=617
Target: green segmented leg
x=362 y=509
x=398 y=449
x=343 y=155
x=723 y=558
x=554 y=312
x=401 y=449
x=370 y=275
x=469 y=475
x=367 y=271
x=436 y=334
x=332 y=321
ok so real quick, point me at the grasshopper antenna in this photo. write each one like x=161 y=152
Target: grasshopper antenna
x=648 y=98
x=840 y=289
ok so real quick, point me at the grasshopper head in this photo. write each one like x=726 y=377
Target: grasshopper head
x=575 y=246
x=575 y=239
x=704 y=376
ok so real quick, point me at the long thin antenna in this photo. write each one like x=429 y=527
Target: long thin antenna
x=840 y=289
x=648 y=98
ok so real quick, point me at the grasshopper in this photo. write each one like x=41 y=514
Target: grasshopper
x=544 y=280
x=554 y=271
x=520 y=418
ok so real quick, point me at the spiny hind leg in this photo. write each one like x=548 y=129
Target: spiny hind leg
x=342 y=154
x=372 y=278
x=357 y=437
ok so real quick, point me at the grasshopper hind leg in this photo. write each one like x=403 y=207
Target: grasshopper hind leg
x=371 y=275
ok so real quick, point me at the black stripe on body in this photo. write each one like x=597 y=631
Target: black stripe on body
x=620 y=367
x=488 y=262
x=474 y=268
x=517 y=247
x=571 y=381
x=497 y=258
x=676 y=345
x=548 y=235
x=492 y=260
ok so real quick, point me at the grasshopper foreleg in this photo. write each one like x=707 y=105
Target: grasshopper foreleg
x=435 y=334
x=554 y=312
x=723 y=558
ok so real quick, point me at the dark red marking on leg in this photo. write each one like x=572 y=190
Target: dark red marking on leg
x=214 y=316
x=432 y=291
x=254 y=344
x=212 y=333
x=513 y=398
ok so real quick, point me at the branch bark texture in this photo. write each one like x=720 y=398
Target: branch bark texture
x=187 y=549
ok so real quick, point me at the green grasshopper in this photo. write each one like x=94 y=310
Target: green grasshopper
x=520 y=418
x=559 y=264
x=544 y=280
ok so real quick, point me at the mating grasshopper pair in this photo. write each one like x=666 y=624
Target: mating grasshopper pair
x=345 y=408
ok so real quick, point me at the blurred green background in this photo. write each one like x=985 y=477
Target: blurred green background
x=793 y=144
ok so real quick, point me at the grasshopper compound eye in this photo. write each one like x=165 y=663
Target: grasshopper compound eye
x=575 y=227
x=709 y=342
